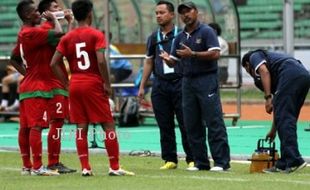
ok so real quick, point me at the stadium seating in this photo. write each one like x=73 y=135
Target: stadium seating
x=263 y=19
x=9 y=26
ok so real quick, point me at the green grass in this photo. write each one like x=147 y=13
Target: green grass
x=148 y=176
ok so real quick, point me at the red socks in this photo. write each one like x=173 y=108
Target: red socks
x=35 y=141
x=82 y=148
x=24 y=146
x=112 y=148
x=54 y=141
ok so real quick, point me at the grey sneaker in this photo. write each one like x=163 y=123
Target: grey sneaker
x=297 y=168
x=120 y=172
x=61 y=168
x=273 y=170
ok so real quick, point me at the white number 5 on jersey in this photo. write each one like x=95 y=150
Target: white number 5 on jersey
x=83 y=65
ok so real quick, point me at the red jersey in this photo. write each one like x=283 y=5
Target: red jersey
x=33 y=45
x=56 y=84
x=79 y=46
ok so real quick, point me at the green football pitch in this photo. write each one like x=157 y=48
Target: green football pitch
x=148 y=176
x=242 y=140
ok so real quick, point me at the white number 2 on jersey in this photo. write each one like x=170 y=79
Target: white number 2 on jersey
x=59 y=107
x=81 y=53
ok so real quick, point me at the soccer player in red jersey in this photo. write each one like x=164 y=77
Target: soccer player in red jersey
x=31 y=59
x=58 y=105
x=89 y=85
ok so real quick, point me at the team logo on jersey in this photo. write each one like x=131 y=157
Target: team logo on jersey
x=198 y=41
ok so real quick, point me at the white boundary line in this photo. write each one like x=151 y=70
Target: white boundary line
x=210 y=178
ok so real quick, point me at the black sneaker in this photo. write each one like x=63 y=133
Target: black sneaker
x=61 y=168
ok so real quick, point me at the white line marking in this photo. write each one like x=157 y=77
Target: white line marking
x=230 y=179
x=216 y=178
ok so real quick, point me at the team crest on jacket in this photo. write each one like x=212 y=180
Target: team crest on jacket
x=198 y=41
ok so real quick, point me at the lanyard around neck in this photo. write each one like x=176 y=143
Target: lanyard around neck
x=159 y=38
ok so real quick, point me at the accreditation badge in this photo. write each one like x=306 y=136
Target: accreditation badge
x=167 y=69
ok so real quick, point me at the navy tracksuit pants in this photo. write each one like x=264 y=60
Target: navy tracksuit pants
x=289 y=97
x=167 y=102
x=202 y=108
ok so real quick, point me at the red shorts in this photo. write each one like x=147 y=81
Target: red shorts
x=58 y=107
x=33 y=112
x=89 y=103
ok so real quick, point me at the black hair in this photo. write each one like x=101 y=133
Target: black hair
x=169 y=5
x=246 y=57
x=216 y=27
x=23 y=8
x=44 y=5
x=81 y=8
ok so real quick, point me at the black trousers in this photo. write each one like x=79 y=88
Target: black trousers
x=167 y=102
x=288 y=100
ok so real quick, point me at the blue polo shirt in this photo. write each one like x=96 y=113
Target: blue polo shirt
x=278 y=64
x=153 y=51
x=203 y=38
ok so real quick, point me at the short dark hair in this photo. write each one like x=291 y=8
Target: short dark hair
x=23 y=8
x=246 y=58
x=169 y=5
x=216 y=27
x=81 y=8
x=44 y=5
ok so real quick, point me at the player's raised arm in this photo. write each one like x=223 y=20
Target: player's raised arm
x=52 y=18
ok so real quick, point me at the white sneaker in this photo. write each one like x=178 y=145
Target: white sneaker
x=192 y=168
x=216 y=169
x=44 y=172
x=120 y=172
x=86 y=173
x=26 y=171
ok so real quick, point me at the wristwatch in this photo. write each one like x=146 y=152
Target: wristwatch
x=268 y=96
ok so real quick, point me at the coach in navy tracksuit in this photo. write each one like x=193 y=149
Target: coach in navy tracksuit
x=197 y=49
x=166 y=90
x=285 y=82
